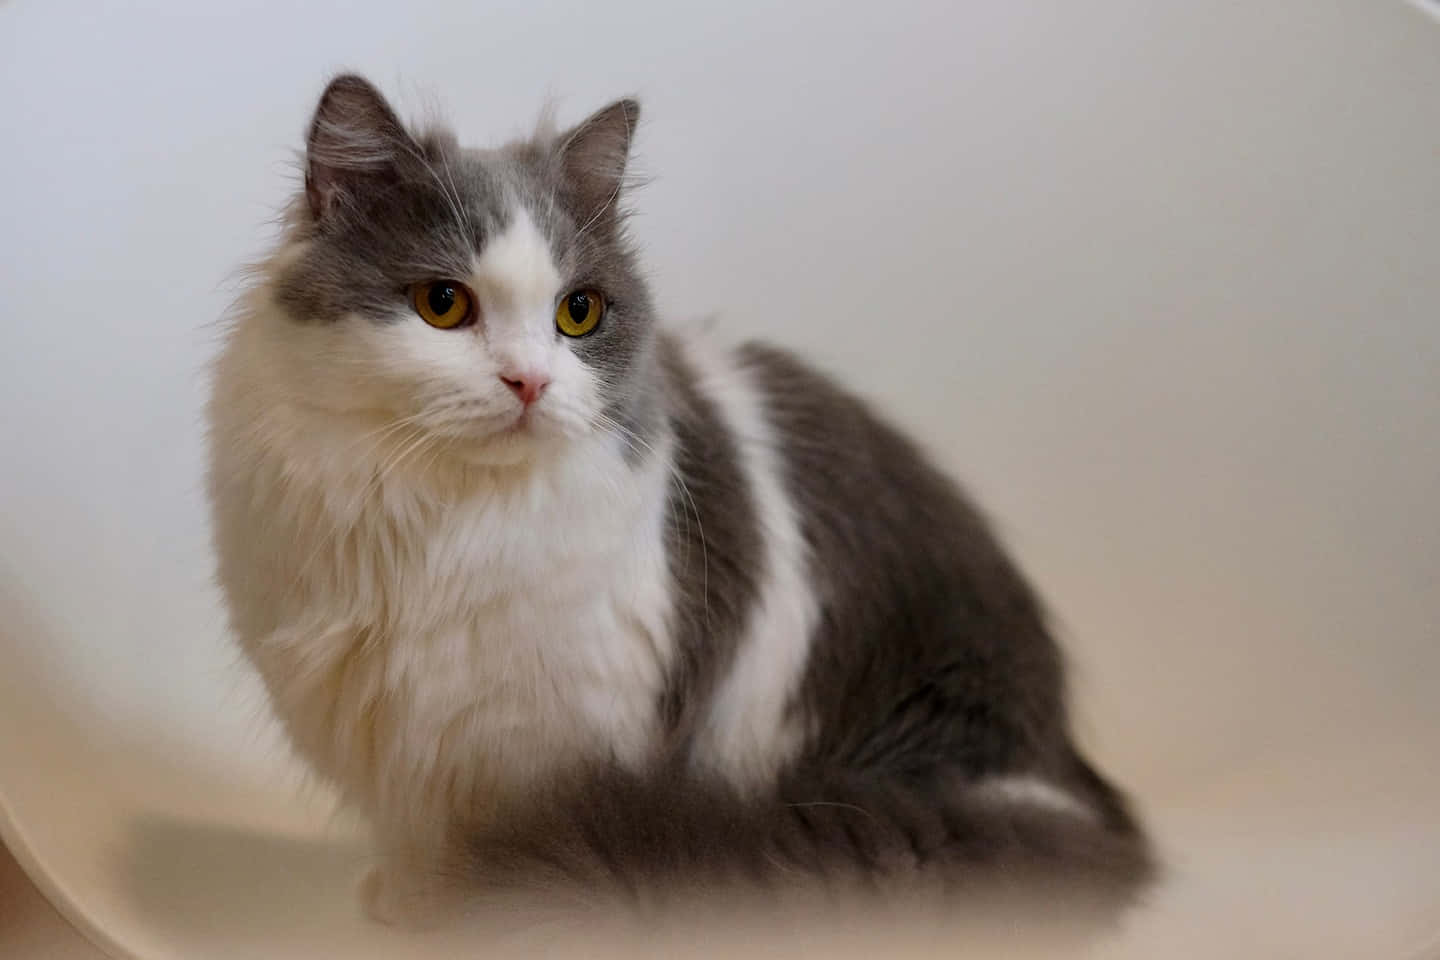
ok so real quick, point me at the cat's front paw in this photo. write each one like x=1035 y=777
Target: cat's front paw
x=400 y=898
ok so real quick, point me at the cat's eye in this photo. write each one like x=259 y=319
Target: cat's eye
x=443 y=303
x=579 y=313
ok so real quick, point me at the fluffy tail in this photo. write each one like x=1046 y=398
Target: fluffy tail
x=649 y=839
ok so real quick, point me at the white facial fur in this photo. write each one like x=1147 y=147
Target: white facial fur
x=447 y=383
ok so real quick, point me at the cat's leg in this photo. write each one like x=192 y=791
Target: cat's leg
x=327 y=684
x=403 y=892
x=408 y=885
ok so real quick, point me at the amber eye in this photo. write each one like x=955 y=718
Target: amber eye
x=579 y=313
x=442 y=303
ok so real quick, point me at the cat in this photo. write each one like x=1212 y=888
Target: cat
x=558 y=597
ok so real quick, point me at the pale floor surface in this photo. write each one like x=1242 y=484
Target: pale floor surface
x=1256 y=871
x=29 y=926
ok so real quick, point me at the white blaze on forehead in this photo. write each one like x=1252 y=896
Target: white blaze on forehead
x=516 y=272
x=516 y=281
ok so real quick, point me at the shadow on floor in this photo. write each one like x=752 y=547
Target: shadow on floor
x=214 y=881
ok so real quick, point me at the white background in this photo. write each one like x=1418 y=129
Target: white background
x=1159 y=281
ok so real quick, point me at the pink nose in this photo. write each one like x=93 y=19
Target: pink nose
x=527 y=386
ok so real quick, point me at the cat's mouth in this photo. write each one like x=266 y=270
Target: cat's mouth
x=494 y=437
x=521 y=423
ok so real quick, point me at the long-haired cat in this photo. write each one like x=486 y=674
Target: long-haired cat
x=561 y=599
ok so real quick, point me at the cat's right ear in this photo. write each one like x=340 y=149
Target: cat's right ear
x=356 y=144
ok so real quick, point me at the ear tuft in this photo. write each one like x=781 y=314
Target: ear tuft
x=356 y=142
x=593 y=157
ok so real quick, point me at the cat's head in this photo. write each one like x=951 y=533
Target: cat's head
x=488 y=298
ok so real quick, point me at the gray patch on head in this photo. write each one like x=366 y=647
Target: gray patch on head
x=386 y=210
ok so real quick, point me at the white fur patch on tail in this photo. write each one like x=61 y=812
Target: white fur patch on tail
x=1021 y=790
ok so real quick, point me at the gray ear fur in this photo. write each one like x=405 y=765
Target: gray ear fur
x=593 y=156
x=356 y=143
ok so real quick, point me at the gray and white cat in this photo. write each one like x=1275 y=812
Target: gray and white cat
x=553 y=595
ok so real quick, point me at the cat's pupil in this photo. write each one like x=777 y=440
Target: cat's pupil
x=579 y=307
x=441 y=298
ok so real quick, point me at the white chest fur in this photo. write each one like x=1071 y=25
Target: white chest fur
x=428 y=652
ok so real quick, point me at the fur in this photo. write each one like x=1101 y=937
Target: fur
x=695 y=616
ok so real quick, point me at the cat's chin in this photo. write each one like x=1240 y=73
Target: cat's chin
x=512 y=447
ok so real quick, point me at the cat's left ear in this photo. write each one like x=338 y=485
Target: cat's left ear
x=593 y=157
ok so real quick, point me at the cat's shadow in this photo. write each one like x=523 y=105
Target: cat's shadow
x=214 y=880
x=212 y=889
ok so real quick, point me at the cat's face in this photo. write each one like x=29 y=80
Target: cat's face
x=486 y=298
